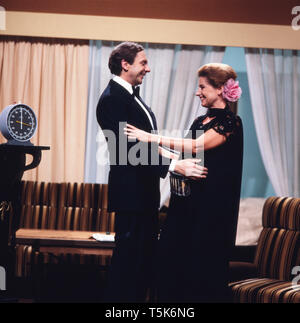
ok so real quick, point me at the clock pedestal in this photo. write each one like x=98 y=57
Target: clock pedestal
x=12 y=167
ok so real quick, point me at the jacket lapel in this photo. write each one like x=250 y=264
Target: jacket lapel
x=134 y=104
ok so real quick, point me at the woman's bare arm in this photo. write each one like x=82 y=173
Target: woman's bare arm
x=208 y=140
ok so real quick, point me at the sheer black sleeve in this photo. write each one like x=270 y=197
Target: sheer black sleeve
x=228 y=125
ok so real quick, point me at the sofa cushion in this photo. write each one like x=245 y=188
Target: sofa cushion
x=249 y=221
x=265 y=290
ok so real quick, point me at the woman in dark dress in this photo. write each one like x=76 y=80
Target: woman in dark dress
x=200 y=228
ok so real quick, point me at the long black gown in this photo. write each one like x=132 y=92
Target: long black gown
x=200 y=229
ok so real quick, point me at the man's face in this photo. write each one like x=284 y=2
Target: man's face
x=137 y=70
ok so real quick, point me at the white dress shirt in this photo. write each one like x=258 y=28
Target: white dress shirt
x=128 y=87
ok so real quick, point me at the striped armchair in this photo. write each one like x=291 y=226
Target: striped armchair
x=272 y=277
x=62 y=206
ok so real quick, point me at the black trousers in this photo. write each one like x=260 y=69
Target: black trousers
x=132 y=266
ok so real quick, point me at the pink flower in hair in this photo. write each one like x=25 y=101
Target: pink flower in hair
x=232 y=91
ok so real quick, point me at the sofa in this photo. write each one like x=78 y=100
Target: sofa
x=61 y=206
x=272 y=275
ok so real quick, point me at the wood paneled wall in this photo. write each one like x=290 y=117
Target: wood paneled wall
x=253 y=23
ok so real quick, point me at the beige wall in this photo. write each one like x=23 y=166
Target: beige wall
x=271 y=12
x=150 y=30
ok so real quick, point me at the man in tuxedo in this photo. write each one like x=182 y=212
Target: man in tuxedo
x=133 y=184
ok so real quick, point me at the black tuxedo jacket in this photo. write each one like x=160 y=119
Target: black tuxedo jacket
x=131 y=186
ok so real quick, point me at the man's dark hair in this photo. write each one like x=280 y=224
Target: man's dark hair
x=126 y=51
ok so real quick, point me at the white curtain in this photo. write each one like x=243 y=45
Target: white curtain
x=96 y=154
x=169 y=89
x=274 y=84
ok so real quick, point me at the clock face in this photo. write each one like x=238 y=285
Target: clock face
x=21 y=123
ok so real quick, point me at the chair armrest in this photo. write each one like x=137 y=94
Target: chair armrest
x=243 y=253
x=241 y=270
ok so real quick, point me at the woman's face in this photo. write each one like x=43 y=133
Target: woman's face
x=209 y=95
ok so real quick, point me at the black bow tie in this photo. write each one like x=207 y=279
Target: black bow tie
x=136 y=91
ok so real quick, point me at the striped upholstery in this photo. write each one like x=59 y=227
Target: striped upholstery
x=265 y=290
x=276 y=255
x=65 y=206
x=62 y=206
